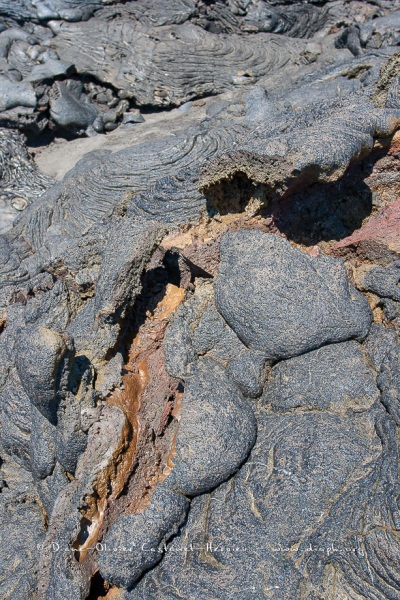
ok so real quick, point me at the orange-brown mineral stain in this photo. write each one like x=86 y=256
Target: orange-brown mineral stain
x=176 y=413
x=112 y=480
x=170 y=302
x=3 y=321
x=128 y=400
x=395 y=143
x=115 y=594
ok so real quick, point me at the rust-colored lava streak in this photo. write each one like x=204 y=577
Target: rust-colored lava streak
x=150 y=400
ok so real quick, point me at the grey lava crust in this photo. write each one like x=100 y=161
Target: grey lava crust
x=199 y=300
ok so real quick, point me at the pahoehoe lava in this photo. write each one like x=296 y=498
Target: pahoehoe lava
x=199 y=299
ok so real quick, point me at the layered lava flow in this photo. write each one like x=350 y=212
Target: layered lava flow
x=149 y=398
x=150 y=401
x=199 y=299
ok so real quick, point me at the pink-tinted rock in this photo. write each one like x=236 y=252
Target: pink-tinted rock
x=378 y=239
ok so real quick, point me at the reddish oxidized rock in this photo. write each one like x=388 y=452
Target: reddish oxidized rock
x=379 y=238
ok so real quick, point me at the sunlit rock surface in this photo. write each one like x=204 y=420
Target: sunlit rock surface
x=199 y=300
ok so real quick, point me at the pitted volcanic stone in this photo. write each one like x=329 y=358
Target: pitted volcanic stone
x=197 y=329
x=242 y=538
x=135 y=542
x=70 y=109
x=216 y=433
x=39 y=364
x=199 y=63
x=70 y=439
x=42 y=445
x=14 y=94
x=379 y=342
x=334 y=377
x=21 y=534
x=248 y=370
x=322 y=471
x=389 y=383
x=50 y=487
x=282 y=302
x=384 y=282
x=15 y=421
x=43 y=10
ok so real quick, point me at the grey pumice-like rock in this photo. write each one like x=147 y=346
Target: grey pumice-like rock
x=217 y=430
x=42 y=445
x=41 y=370
x=43 y=10
x=379 y=342
x=219 y=548
x=149 y=80
x=389 y=383
x=334 y=377
x=196 y=330
x=384 y=282
x=70 y=440
x=8 y=36
x=20 y=513
x=136 y=543
x=248 y=371
x=49 y=69
x=132 y=117
x=50 y=488
x=282 y=317
x=14 y=93
x=69 y=109
x=15 y=421
x=185 y=407
x=20 y=177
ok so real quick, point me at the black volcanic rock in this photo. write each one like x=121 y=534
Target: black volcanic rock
x=282 y=317
x=142 y=537
x=214 y=440
x=334 y=377
x=199 y=359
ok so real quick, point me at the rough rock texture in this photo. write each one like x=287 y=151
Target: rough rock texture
x=21 y=182
x=313 y=305
x=234 y=60
x=146 y=535
x=41 y=372
x=20 y=513
x=200 y=318
x=124 y=54
x=379 y=238
x=334 y=378
x=212 y=442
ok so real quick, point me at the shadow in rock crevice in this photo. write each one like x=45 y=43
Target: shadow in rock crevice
x=98 y=587
x=230 y=195
x=327 y=211
x=303 y=210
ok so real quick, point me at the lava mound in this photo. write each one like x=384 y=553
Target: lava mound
x=199 y=299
